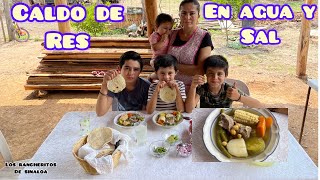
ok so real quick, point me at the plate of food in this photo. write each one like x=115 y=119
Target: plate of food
x=167 y=119
x=128 y=119
x=241 y=135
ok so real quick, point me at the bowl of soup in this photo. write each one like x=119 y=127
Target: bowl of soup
x=241 y=135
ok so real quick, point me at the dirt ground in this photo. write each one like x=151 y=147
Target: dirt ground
x=269 y=71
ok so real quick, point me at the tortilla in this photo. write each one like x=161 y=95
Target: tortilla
x=168 y=95
x=117 y=84
x=99 y=137
x=105 y=152
x=205 y=79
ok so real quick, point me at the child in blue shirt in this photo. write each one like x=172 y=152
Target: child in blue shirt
x=134 y=96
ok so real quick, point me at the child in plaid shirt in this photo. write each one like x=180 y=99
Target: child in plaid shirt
x=216 y=93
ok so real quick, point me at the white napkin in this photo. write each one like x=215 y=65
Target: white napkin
x=86 y=149
x=123 y=142
x=104 y=164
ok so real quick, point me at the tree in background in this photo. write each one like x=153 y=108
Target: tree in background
x=236 y=7
x=235 y=4
x=90 y=25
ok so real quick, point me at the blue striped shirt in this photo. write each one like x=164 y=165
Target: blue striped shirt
x=161 y=105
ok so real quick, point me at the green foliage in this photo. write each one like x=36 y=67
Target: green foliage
x=295 y=5
x=36 y=39
x=90 y=25
x=235 y=4
x=117 y=31
x=235 y=44
x=215 y=32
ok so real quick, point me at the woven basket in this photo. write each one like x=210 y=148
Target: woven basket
x=86 y=166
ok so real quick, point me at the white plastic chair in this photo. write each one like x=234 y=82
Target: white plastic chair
x=226 y=24
x=239 y=84
x=8 y=172
x=4 y=149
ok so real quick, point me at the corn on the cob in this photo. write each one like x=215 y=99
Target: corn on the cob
x=244 y=117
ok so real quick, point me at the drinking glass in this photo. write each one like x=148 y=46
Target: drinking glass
x=141 y=133
x=84 y=122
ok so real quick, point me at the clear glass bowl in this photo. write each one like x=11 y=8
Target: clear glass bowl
x=159 y=148
x=184 y=149
x=172 y=137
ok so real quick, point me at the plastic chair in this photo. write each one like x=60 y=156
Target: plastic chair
x=239 y=84
x=225 y=24
x=4 y=149
x=8 y=172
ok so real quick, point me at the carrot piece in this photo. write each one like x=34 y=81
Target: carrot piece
x=129 y=115
x=160 y=122
x=174 y=113
x=269 y=122
x=261 y=127
x=261 y=117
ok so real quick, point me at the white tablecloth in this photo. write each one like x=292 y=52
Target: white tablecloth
x=58 y=146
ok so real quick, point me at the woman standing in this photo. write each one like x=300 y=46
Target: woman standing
x=190 y=44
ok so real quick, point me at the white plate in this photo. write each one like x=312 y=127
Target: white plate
x=155 y=118
x=127 y=127
x=210 y=143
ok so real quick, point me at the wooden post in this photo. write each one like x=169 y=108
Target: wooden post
x=303 y=47
x=152 y=12
x=2 y=27
x=8 y=19
x=64 y=27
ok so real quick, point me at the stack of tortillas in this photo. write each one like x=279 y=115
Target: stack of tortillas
x=167 y=94
x=117 y=84
x=99 y=137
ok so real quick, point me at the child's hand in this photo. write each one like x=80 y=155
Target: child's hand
x=160 y=85
x=109 y=75
x=173 y=84
x=197 y=80
x=165 y=36
x=232 y=92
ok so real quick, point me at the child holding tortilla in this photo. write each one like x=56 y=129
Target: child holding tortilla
x=216 y=93
x=134 y=95
x=166 y=69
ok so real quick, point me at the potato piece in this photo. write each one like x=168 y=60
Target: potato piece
x=237 y=147
x=255 y=145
